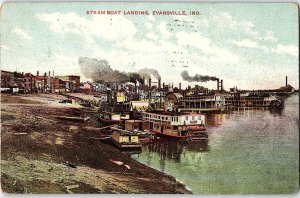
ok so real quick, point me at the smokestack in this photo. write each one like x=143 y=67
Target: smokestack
x=49 y=73
x=37 y=73
x=179 y=86
x=149 y=95
x=221 y=85
x=286 y=81
x=45 y=74
x=159 y=83
x=218 y=84
x=149 y=84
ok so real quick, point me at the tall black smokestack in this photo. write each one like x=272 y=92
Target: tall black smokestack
x=218 y=84
x=179 y=86
x=221 y=85
x=49 y=73
x=149 y=85
x=37 y=73
x=286 y=81
x=159 y=83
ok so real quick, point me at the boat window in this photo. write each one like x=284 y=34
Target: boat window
x=176 y=119
x=186 y=117
x=199 y=118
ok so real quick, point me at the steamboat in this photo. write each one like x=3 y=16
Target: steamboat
x=189 y=126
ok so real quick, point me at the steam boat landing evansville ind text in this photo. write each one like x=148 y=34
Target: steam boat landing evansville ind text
x=178 y=126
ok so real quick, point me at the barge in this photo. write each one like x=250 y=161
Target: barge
x=124 y=139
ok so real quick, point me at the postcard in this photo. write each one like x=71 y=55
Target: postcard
x=149 y=98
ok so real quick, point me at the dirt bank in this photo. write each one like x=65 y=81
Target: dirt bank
x=41 y=154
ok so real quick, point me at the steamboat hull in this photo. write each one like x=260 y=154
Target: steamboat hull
x=197 y=137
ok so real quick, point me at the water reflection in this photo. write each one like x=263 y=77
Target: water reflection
x=172 y=150
x=214 y=119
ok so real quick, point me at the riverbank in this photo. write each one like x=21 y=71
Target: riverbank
x=41 y=154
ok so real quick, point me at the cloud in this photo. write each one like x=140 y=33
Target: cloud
x=21 y=33
x=227 y=21
x=286 y=49
x=104 y=26
x=270 y=37
x=281 y=49
x=152 y=36
x=151 y=18
x=206 y=46
x=224 y=19
x=163 y=30
x=149 y=25
x=245 y=43
x=4 y=47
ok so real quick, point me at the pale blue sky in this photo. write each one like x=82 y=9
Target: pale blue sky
x=252 y=46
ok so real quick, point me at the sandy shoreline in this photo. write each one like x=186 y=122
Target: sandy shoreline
x=40 y=154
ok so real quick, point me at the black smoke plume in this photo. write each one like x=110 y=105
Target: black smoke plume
x=197 y=78
x=146 y=73
x=100 y=70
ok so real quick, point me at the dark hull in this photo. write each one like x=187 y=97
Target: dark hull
x=197 y=137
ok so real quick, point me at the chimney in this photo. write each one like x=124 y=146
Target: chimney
x=179 y=86
x=149 y=84
x=49 y=73
x=221 y=85
x=149 y=91
x=159 y=83
x=218 y=84
x=37 y=73
x=53 y=73
x=286 y=81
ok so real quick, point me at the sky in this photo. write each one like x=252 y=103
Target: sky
x=248 y=45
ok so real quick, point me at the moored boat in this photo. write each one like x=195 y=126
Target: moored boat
x=190 y=126
x=125 y=139
x=110 y=118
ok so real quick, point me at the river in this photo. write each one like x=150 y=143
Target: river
x=248 y=152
